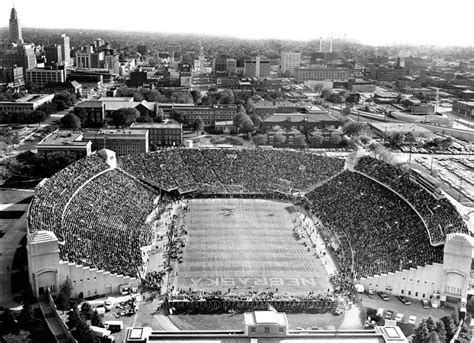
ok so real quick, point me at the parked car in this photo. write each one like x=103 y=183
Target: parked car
x=399 y=317
x=412 y=320
x=384 y=295
x=371 y=291
x=425 y=303
x=404 y=300
x=388 y=315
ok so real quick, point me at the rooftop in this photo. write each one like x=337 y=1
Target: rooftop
x=298 y=117
x=265 y=317
x=90 y=103
x=115 y=132
x=111 y=98
x=168 y=124
x=61 y=137
x=402 y=127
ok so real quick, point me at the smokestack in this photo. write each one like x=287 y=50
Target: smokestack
x=330 y=45
x=320 y=44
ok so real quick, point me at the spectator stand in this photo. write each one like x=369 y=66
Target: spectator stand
x=406 y=201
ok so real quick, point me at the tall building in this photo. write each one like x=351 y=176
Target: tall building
x=53 y=55
x=257 y=68
x=14 y=28
x=63 y=41
x=290 y=61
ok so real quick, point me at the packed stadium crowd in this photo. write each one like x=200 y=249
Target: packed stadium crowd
x=440 y=215
x=231 y=170
x=50 y=200
x=373 y=224
x=108 y=234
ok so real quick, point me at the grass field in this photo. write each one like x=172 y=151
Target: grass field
x=246 y=244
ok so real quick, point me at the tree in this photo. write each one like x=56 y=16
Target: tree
x=346 y=110
x=81 y=113
x=70 y=121
x=124 y=117
x=260 y=139
x=246 y=126
x=37 y=116
x=178 y=116
x=74 y=318
x=365 y=139
x=326 y=93
x=396 y=139
x=196 y=94
x=86 y=310
x=421 y=332
x=440 y=330
x=278 y=139
x=335 y=140
x=198 y=125
x=352 y=128
x=465 y=335
x=159 y=115
x=299 y=140
x=145 y=119
x=256 y=120
x=96 y=320
x=317 y=140
x=249 y=106
x=64 y=295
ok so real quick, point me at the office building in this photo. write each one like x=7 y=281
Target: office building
x=257 y=68
x=13 y=76
x=95 y=111
x=464 y=108
x=290 y=61
x=15 y=28
x=63 y=41
x=231 y=65
x=26 y=104
x=66 y=141
x=320 y=73
x=123 y=142
x=167 y=133
x=112 y=63
x=54 y=55
x=209 y=114
x=40 y=77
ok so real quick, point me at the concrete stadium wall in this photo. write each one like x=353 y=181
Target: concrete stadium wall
x=417 y=283
x=92 y=281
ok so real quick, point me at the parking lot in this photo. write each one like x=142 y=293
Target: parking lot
x=396 y=306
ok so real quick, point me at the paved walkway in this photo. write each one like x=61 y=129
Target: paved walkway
x=352 y=318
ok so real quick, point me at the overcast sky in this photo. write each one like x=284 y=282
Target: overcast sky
x=376 y=22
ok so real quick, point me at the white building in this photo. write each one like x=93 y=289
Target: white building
x=290 y=61
x=40 y=77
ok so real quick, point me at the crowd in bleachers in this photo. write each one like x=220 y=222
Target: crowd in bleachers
x=50 y=200
x=104 y=225
x=231 y=170
x=375 y=225
x=440 y=215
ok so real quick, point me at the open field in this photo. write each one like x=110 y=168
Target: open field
x=246 y=245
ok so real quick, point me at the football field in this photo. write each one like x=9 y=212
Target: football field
x=244 y=245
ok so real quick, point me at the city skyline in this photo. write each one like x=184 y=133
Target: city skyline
x=370 y=22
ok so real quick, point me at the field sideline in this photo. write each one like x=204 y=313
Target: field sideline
x=246 y=244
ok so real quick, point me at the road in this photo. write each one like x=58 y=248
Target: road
x=396 y=306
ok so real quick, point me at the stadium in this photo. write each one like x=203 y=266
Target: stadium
x=236 y=232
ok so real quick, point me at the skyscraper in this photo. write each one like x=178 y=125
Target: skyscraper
x=15 y=29
x=63 y=40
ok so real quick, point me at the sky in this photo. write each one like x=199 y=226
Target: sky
x=374 y=22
